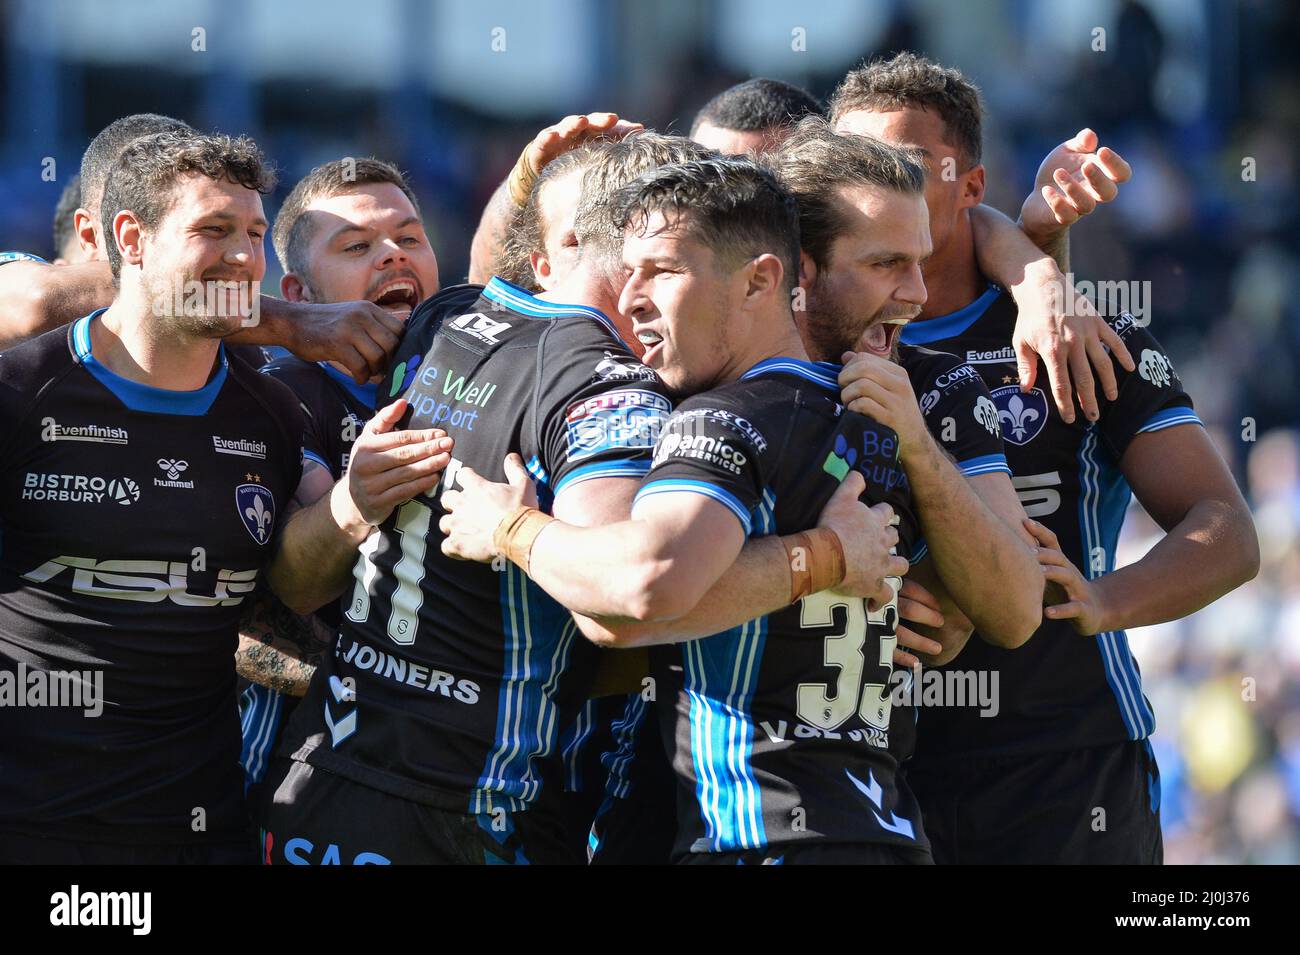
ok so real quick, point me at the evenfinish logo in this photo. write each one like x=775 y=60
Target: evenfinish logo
x=103 y=908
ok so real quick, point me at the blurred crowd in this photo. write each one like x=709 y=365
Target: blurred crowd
x=1205 y=106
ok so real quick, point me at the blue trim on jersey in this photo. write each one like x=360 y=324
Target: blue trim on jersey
x=539 y=637
x=313 y=456
x=7 y=257
x=823 y=373
x=601 y=469
x=985 y=464
x=545 y=496
x=1102 y=505
x=954 y=323
x=141 y=397
x=619 y=760
x=259 y=723
x=1170 y=417
x=919 y=552
x=366 y=394
x=720 y=675
x=681 y=485
x=571 y=745
x=526 y=303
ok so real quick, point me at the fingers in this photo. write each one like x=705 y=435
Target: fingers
x=1102 y=365
x=1111 y=339
x=1084 y=141
x=1058 y=374
x=885 y=512
x=1041 y=533
x=904 y=659
x=391 y=440
x=1062 y=209
x=914 y=641
x=1064 y=611
x=386 y=417
x=1026 y=364
x=850 y=489
x=1084 y=385
x=1102 y=186
x=379 y=483
x=915 y=612
x=516 y=473
x=353 y=361
x=895 y=566
x=1076 y=191
x=914 y=592
x=1114 y=164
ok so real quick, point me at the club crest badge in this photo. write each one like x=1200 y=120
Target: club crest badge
x=256 y=506
x=1021 y=414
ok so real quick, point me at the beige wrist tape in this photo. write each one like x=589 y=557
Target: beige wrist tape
x=816 y=560
x=516 y=533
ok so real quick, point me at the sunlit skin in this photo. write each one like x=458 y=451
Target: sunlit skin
x=736 y=142
x=214 y=231
x=872 y=277
x=951 y=190
x=701 y=322
x=557 y=206
x=367 y=244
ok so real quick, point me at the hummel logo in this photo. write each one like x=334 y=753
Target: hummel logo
x=173 y=468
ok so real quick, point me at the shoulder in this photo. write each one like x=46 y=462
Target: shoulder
x=453 y=301
x=27 y=367
x=275 y=397
x=740 y=408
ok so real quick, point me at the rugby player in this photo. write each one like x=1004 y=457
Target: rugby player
x=144 y=476
x=759 y=448
x=36 y=296
x=348 y=231
x=1071 y=734
x=752 y=117
x=473 y=670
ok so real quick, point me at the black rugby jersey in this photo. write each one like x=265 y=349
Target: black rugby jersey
x=958 y=409
x=781 y=727
x=1060 y=691
x=136 y=522
x=336 y=409
x=461 y=675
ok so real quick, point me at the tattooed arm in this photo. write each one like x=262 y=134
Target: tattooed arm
x=278 y=648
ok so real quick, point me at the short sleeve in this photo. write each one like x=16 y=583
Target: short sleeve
x=709 y=448
x=1151 y=398
x=960 y=414
x=598 y=410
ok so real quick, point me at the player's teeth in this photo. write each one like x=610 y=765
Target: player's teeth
x=649 y=338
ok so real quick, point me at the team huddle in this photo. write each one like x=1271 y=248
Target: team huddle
x=756 y=502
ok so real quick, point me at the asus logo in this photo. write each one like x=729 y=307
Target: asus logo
x=148 y=581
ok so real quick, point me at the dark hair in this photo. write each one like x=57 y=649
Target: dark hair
x=909 y=80
x=98 y=159
x=65 y=213
x=144 y=177
x=292 y=229
x=757 y=104
x=734 y=206
x=814 y=163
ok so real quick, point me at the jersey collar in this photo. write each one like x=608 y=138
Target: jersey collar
x=823 y=373
x=950 y=325
x=365 y=395
x=526 y=303
x=141 y=397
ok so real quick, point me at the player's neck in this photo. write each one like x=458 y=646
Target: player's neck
x=782 y=342
x=132 y=343
x=952 y=274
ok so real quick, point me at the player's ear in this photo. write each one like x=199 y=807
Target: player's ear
x=294 y=289
x=807 y=270
x=83 y=225
x=541 y=268
x=765 y=275
x=129 y=236
x=972 y=193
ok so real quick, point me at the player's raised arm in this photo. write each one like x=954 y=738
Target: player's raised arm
x=1055 y=323
x=980 y=561
x=489 y=238
x=318 y=545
